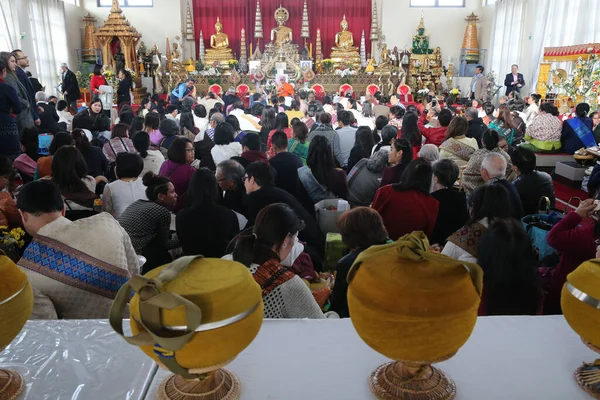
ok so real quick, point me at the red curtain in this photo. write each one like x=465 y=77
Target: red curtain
x=325 y=15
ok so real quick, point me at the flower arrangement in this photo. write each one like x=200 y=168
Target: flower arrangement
x=492 y=88
x=212 y=69
x=83 y=75
x=345 y=72
x=233 y=64
x=421 y=94
x=455 y=92
x=327 y=64
x=11 y=241
x=583 y=84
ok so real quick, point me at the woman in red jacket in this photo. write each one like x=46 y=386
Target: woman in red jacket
x=574 y=238
x=408 y=206
x=97 y=80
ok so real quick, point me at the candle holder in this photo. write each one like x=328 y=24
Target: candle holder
x=416 y=307
x=412 y=380
x=581 y=307
x=193 y=317
x=16 y=304
x=588 y=375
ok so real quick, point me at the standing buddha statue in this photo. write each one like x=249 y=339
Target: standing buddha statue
x=219 y=46
x=281 y=34
x=344 y=50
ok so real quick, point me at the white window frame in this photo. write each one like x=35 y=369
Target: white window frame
x=437 y=5
x=125 y=3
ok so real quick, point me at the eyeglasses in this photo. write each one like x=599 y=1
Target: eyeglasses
x=189 y=150
x=22 y=58
x=245 y=178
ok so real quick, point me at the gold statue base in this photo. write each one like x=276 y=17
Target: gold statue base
x=588 y=375
x=338 y=58
x=411 y=381
x=219 y=385
x=222 y=58
x=11 y=384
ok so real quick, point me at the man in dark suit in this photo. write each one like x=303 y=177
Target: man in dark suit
x=514 y=81
x=70 y=87
x=22 y=63
x=259 y=181
x=48 y=116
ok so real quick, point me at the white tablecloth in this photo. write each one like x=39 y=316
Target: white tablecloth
x=516 y=358
x=77 y=360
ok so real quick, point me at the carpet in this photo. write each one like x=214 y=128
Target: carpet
x=564 y=193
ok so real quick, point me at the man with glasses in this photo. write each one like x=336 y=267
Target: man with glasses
x=229 y=176
x=259 y=181
x=22 y=63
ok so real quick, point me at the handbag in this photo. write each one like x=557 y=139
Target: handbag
x=538 y=227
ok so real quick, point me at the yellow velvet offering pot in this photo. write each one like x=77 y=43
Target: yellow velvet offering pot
x=580 y=302
x=16 y=304
x=416 y=307
x=193 y=317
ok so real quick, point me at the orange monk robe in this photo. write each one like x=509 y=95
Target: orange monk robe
x=285 y=90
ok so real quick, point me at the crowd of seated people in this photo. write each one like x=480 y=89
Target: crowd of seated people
x=223 y=180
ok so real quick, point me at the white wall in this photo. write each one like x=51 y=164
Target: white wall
x=154 y=23
x=74 y=26
x=445 y=26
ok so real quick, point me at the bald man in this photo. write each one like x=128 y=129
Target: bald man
x=493 y=172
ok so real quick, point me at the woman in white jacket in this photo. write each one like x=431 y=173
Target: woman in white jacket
x=532 y=110
x=225 y=146
x=285 y=295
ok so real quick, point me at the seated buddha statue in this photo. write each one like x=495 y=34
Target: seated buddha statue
x=281 y=34
x=420 y=43
x=344 y=46
x=219 y=45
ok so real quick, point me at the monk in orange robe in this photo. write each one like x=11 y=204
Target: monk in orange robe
x=285 y=89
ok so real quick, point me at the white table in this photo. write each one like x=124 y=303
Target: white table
x=77 y=360
x=524 y=358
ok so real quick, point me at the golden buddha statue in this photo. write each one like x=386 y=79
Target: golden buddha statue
x=281 y=34
x=219 y=46
x=344 y=50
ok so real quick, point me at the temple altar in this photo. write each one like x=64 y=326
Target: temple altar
x=349 y=63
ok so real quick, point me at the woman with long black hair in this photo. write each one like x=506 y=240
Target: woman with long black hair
x=410 y=131
x=319 y=179
x=124 y=89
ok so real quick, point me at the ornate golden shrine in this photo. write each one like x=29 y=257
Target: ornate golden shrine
x=118 y=32
x=117 y=28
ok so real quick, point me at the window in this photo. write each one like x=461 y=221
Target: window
x=127 y=3
x=437 y=3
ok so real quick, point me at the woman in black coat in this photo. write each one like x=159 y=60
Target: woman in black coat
x=124 y=89
x=205 y=227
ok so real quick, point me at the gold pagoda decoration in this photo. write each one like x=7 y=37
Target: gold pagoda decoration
x=305 y=32
x=319 y=53
x=258 y=26
x=189 y=23
x=470 y=42
x=90 y=42
x=117 y=30
x=374 y=24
